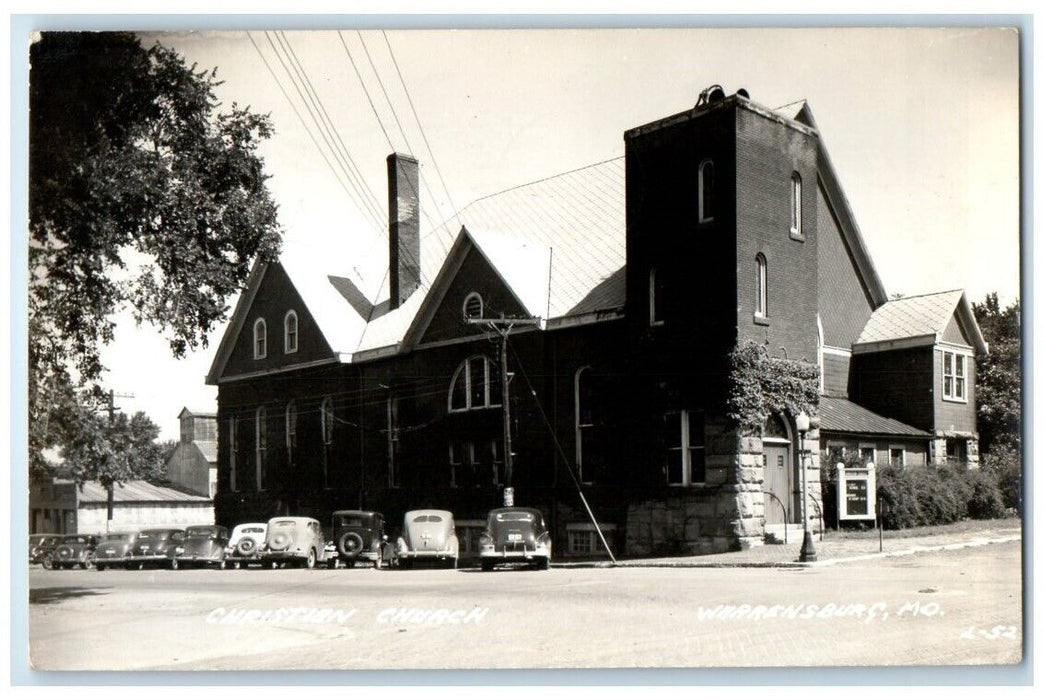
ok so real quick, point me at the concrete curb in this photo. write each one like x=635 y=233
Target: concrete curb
x=694 y=563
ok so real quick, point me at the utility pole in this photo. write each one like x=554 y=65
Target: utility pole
x=111 y=495
x=502 y=326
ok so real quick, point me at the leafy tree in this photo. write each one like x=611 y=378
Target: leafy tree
x=999 y=375
x=143 y=195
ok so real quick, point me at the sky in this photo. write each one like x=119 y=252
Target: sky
x=922 y=126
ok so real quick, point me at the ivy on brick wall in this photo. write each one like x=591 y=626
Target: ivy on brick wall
x=760 y=385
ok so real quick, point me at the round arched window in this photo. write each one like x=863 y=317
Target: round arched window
x=473 y=306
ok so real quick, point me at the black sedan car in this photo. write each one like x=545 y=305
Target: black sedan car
x=40 y=548
x=74 y=550
x=204 y=545
x=359 y=536
x=515 y=535
x=113 y=550
x=155 y=547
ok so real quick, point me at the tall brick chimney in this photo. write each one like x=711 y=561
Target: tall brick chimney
x=403 y=227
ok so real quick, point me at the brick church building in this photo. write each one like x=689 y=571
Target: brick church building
x=624 y=290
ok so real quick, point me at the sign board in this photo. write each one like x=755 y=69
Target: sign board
x=856 y=492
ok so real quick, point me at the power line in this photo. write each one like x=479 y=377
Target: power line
x=304 y=123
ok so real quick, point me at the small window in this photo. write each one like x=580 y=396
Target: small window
x=706 y=192
x=866 y=454
x=232 y=446
x=761 y=286
x=655 y=298
x=897 y=456
x=260 y=339
x=955 y=378
x=473 y=306
x=795 y=205
x=290 y=332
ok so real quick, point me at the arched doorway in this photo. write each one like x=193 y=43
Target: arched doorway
x=779 y=476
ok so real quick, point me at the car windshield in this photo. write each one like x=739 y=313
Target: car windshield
x=197 y=532
x=352 y=521
x=75 y=539
x=252 y=531
x=154 y=535
x=115 y=538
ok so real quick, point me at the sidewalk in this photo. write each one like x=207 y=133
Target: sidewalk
x=833 y=550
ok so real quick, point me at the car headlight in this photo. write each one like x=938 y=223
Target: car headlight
x=485 y=542
x=179 y=550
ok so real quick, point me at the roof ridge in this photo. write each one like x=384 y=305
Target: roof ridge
x=928 y=294
x=543 y=179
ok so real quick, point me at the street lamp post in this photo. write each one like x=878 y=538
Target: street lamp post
x=808 y=549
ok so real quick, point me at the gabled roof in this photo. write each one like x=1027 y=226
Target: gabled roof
x=919 y=320
x=837 y=415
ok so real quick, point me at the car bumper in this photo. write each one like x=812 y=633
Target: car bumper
x=109 y=561
x=515 y=555
x=283 y=556
x=424 y=556
x=199 y=559
x=148 y=558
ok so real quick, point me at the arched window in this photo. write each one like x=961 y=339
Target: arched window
x=706 y=191
x=290 y=332
x=260 y=446
x=473 y=306
x=761 y=286
x=291 y=432
x=260 y=339
x=475 y=384
x=795 y=205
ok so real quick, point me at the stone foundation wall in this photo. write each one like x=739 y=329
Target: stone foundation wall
x=728 y=512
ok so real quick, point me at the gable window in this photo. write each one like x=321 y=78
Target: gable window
x=473 y=306
x=761 y=286
x=232 y=453
x=260 y=339
x=706 y=191
x=260 y=447
x=475 y=384
x=655 y=298
x=795 y=205
x=290 y=332
x=291 y=432
x=955 y=377
x=683 y=442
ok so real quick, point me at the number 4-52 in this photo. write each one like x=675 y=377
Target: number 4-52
x=997 y=632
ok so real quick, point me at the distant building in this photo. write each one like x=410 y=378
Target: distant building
x=58 y=506
x=193 y=464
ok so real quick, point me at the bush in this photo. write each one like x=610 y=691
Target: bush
x=1004 y=464
x=916 y=496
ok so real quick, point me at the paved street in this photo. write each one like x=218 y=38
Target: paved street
x=949 y=607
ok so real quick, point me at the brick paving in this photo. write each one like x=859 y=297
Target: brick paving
x=831 y=550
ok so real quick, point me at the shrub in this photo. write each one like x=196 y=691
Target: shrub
x=942 y=493
x=985 y=501
x=1004 y=464
x=911 y=497
x=897 y=497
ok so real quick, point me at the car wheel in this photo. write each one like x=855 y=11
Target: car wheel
x=47 y=564
x=310 y=561
x=544 y=564
x=487 y=566
x=100 y=567
x=85 y=565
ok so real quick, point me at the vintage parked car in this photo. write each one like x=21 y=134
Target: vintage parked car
x=428 y=535
x=204 y=545
x=515 y=535
x=113 y=550
x=359 y=536
x=294 y=540
x=244 y=546
x=72 y=551
x=156 y=546
x=40 y=548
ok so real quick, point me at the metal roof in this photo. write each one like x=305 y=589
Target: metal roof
x=136 y=491
x=920 y=317
x=837 y=415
